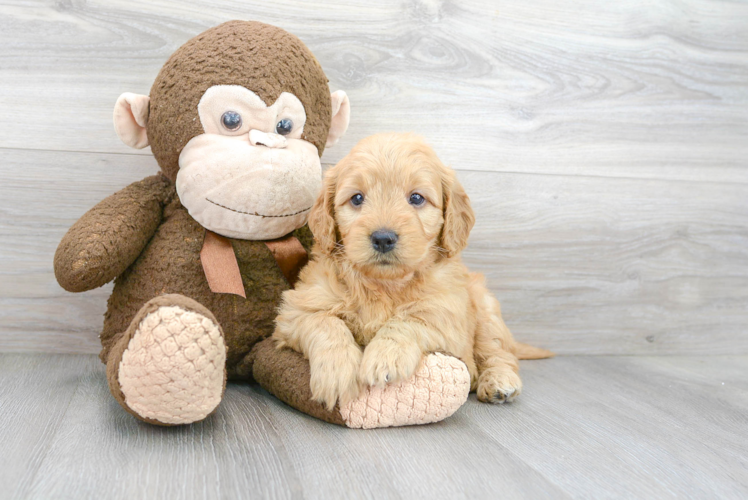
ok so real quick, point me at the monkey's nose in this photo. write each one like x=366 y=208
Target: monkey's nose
x=383 y=241
x=259 y=138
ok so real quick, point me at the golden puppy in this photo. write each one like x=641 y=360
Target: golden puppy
x=386 y=284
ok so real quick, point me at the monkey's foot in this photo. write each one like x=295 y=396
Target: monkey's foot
x=170 y=366
x=440 y=385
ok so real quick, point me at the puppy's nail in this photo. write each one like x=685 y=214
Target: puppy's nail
x=387 y=378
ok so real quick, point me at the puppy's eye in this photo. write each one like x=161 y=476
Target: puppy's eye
x=416 y=200
x=357 y=199
x=231 y=120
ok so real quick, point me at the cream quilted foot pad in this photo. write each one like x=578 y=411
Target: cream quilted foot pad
x=438 y=388
x=173 y=368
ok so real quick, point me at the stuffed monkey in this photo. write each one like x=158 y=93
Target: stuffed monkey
x=237 y=119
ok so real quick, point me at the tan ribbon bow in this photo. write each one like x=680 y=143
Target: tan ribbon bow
x=222 y=270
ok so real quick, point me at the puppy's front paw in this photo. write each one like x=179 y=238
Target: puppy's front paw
x=387 y=360
x=498 y=385
x=333 y=376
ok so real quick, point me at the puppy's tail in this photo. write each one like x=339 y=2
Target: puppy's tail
x=525 y=351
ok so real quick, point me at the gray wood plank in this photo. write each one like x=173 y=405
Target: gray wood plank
x=622 y=266
x=43 y=194
x=585 y=427
x=103 y=452
x=631 y=427
x=255 y=445
x=35 y=392
x=445 y=460
x=624 y=89
x=581 y=264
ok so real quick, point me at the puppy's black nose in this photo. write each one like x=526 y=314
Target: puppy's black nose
x=383 y=241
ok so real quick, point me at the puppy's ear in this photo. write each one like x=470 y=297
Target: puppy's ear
x=322 y=215
x=459 y=217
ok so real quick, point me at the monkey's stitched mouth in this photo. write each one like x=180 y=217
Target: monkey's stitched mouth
x=255 y=213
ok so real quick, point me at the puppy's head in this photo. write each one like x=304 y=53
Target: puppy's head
x=391 y=207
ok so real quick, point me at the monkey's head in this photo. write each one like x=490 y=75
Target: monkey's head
x=238 y=118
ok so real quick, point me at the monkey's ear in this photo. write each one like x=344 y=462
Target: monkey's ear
x=341 y=115
x=131 y=118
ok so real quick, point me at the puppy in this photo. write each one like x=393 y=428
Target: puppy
x=386 y=284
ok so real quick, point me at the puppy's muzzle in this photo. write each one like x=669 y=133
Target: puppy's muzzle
x=383 y=241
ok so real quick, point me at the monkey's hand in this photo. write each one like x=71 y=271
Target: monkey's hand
x=110 y=236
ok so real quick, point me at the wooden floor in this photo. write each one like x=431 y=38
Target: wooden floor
x=586 y=427
x=604 y=146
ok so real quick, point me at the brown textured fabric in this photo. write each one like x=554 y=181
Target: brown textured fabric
x=170 y=263
x=115 y=354
x=265 y=59
x=110 y=236
x=285 y=374
x=220 y=266
x=290 y=256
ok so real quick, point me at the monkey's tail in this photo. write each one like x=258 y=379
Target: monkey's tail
x=524 y=351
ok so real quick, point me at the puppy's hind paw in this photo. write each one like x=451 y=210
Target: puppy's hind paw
x=498 y=386
x=502 y=396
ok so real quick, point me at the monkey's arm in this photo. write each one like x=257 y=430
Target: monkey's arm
x=110 y=236
x=437 y=389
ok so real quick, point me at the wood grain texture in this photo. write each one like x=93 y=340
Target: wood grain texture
x=654 y=89
x=43 y=193
x=602 y=427
x=581 y=264
x=632 y=427
x=603 y=146
x=35 y=393
x=105 y=453
x=614 y=266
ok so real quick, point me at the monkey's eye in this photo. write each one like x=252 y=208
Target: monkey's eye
x=416 y=200
x=284 y=127
x=357 y=199
x=231 y=120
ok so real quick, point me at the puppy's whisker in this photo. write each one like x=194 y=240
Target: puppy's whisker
x=442 y=251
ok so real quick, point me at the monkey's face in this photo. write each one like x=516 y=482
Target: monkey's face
x=238 y=118
x=250 y=175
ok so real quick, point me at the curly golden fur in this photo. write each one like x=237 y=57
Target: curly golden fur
x=364 y=316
